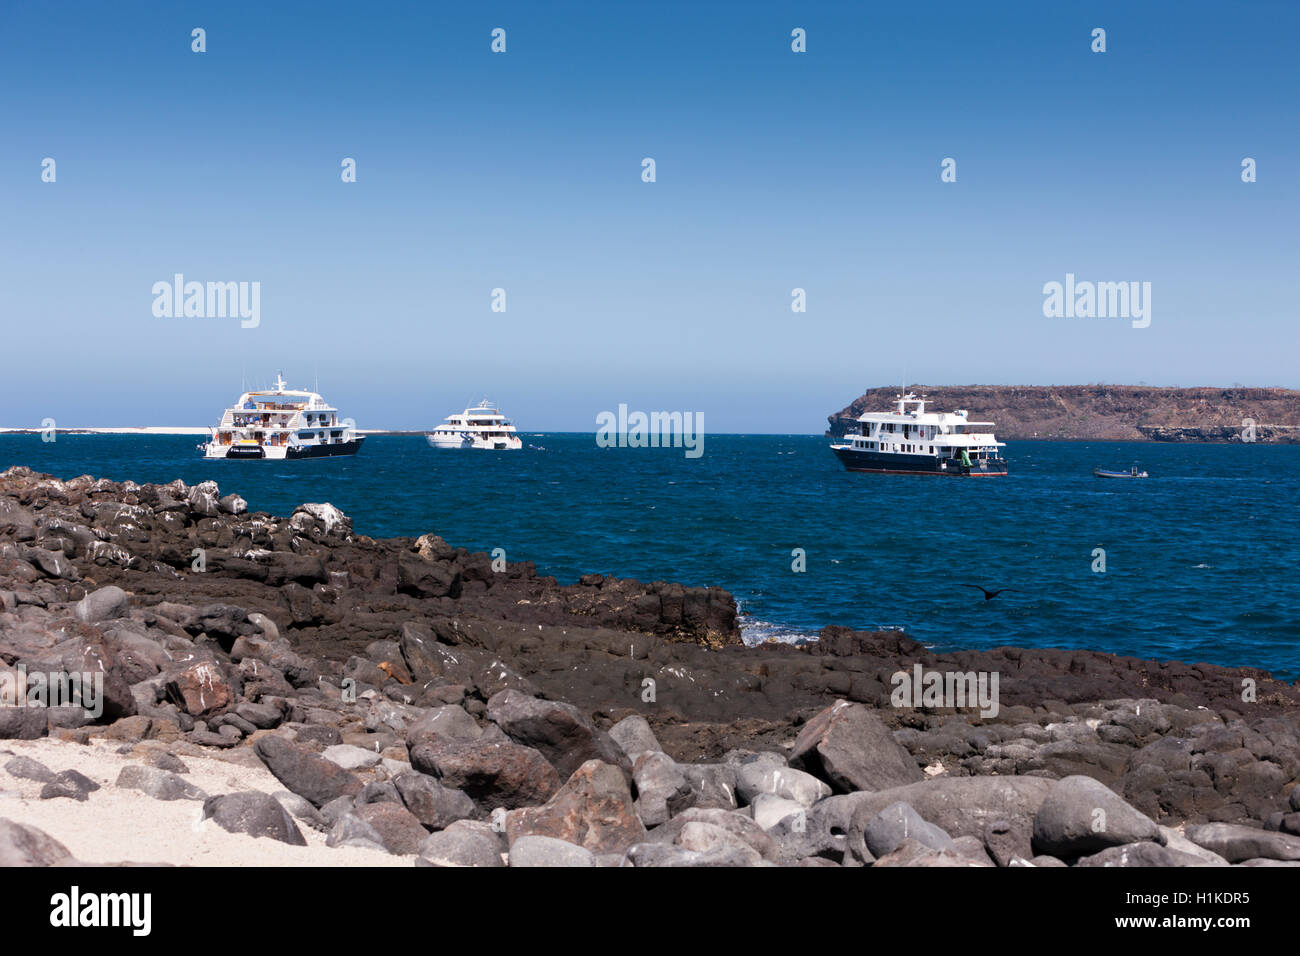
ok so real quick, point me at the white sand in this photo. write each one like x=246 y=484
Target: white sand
x=117 y=824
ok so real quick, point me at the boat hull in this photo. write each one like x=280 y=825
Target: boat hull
x=325 y=451
x=285 y=452
x=854 y=459
x=488 y=444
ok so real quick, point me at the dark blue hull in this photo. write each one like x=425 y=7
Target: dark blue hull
x=886 y=463
x=326 y=451
x=256 y=452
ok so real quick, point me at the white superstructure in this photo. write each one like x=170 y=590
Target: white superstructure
x=479 y=426
x=910 y=440
x=282 y=422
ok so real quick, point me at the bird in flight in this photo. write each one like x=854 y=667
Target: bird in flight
x=990 y=595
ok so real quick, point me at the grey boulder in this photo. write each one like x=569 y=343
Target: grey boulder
x=761 y=776
x=435 y=806
x=1237 y=843
x=634 y=736
x=897 y=823
x=662 y=855
x=1140 y=854
x=350 y=757
x=70 y=783
x=29 y=769
x=548 y=851
x=400 y=833
x=350 y=830
x=960 y=806
x=1080 y=816
x=915 y=853
x=851 y=748
x=768 y=809
x=254 y=813
x=23 y=845
x=305 y=773
x=103 y=604
x=737 y=824
x=460 y=848
x=662 y=788
x=559 y=731
x=159 y=784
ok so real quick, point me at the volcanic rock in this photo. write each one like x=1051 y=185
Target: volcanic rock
x=496 y=774
x=594 y=809
x=1080 y=816
x=305 y=773
x=1238 y=843
x=849 y=747
x=254 y=813
x=159 y=784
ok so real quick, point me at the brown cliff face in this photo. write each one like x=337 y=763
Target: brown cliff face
x=1105 y=412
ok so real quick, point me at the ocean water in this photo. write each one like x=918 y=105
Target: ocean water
x=1200 y=559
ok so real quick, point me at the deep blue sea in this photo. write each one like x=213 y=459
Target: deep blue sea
x=1201 y=558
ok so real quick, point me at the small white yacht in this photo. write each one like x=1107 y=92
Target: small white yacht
x=479 y=426
x=917 y=442
x=282 y=423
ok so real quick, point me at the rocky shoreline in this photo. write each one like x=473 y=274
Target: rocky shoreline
x=414 y=698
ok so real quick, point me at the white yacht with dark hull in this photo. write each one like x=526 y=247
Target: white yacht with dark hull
x=282 y=423
x=912 y=441
x=479 y=426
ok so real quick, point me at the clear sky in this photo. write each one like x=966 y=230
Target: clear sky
x=523 y=171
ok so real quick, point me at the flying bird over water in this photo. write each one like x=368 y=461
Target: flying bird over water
x=990 y=595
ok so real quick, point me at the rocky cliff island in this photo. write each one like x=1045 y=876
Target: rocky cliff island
x=1105 y=412
x=407 y=700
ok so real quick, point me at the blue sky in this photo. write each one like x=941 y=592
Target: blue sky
x=522 y=171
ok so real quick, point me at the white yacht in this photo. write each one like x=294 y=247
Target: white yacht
x=917 y=442
x=480 y=426
x=280 y=423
